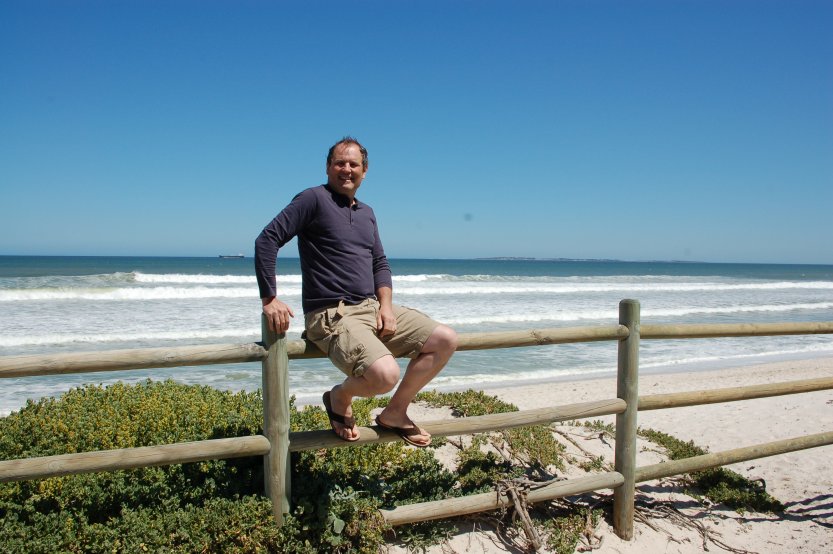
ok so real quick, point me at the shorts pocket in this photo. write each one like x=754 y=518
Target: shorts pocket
x=346 y=352
x=320 y=329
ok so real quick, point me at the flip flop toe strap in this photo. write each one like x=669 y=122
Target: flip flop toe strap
x=409 y=431
x=348 y=421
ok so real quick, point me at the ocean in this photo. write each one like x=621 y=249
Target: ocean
x=72 y=304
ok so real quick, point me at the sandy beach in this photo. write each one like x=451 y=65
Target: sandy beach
x=802 y=481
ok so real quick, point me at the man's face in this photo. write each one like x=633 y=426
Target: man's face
x=345 y=172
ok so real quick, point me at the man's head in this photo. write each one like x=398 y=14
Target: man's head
x=348 y=140
x=346 y=166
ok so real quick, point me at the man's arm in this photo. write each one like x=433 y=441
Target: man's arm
x=267 y=244
x=383 y=283
x=385 y=320
x=279 y=231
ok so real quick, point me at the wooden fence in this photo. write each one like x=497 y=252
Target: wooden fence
x=277 y=442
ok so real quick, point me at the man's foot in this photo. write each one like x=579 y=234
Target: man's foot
x=342 y=425
x=411 y=434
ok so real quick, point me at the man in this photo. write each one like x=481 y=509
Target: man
x=347 y=299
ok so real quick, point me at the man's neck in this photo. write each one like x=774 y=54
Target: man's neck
x=351 y=200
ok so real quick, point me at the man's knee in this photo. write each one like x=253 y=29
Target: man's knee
x=383 y=374
x=442 y=339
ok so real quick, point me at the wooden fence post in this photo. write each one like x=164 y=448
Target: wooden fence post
x=276 y=469
x=627 y=388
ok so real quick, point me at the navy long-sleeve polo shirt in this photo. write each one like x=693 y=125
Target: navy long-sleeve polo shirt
x=341 y=254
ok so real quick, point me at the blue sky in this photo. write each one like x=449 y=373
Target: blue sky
x=686 y=130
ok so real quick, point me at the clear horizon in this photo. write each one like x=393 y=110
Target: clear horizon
x=405 y=258
x=696 y=131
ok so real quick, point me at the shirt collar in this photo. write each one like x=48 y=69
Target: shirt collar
x=341 y=199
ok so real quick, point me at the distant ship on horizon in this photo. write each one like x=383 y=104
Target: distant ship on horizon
x=231 y=256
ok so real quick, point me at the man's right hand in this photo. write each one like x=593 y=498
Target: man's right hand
x=277 y=314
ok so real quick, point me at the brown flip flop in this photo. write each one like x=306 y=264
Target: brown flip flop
x=338 y=418
x=405 y=433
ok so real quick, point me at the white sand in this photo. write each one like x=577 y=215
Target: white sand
x=803 y=480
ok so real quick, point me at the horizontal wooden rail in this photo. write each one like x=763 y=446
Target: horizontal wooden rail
x=131 y=458
x=698 y=331
x=453 y=507
x=464 y=505
x=299 y=349
x=713 y=396
x=539 y=337
x=53 y=466
x=132 y=358
x=65 y=464
x=313 y=440
x=716 y=459
x=144 y=358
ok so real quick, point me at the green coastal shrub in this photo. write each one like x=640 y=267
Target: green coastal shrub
x=212 y=506
x=533 y=447
x=719 y=484
x=123 y=416
x=218 y=506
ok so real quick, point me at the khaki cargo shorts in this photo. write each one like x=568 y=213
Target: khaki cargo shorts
x=347 y=334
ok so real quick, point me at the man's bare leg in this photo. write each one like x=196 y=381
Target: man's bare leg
x=381 y=377
x=435 y=353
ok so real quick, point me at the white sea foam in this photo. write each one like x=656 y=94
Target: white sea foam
x=418 y=278
x=134 y=294
x=527 y=287
x=200 y=279
x=612 y=313
x=162 y=293
x=817 y=349
x=250 y=334
x=531 y=317
x=479 y=379
x=172 y=306
x=250 y=279
x=679 y=312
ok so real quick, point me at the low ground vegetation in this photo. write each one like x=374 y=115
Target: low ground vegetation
x=218 y=506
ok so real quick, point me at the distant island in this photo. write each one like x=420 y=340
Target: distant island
x=507 y=258
x=598 y=260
